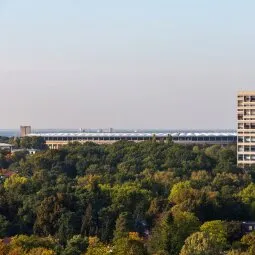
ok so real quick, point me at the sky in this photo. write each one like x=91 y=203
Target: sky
x=125 y=64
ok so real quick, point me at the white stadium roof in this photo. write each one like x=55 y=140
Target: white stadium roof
x=134 y=134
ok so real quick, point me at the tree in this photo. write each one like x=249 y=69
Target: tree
x=122 y=226
x=130 y=198
x=76 y=245
x=48 y=215
x=237 y=252
x=169 y=235
x=4 y=224
x=249 y=242
x=184 y=196
x=201 y=243
x=247 y=246
x=217 y=230
x=41 y=251
x=200 y=179
x=14 y=181
x=169 y=139
x=248 y=194
x=227 y=160
x=212 y=240
x=96 y=247
x=131 y=245
x=160 y=190
x=34 y=142
x=4 y=249
x=23 y=244
x=213 y=152
x=66 y=227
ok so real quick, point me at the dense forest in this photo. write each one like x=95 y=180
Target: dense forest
x=126 y=198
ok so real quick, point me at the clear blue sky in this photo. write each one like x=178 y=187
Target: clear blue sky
x=125 y=64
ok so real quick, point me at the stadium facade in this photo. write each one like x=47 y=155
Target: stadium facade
x=57 y=140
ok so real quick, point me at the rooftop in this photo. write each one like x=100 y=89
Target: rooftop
x=5 y=145
x=136 y=134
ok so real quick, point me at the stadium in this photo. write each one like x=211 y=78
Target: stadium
x=57 y=140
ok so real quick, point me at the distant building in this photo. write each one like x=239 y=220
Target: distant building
x=246 y=128
x=248 y=227
x=57 y=140
x=30 y=151
x=25 y=130
x=6 y=146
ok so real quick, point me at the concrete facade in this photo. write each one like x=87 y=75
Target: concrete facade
x=246 y=128
x=25 y=130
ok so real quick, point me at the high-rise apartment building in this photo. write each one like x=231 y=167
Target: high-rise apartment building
x=246 y=128
x=25 y=130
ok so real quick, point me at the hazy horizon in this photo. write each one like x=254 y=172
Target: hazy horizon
x=131 y=65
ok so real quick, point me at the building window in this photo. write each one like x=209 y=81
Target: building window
x=240 y=157
x=246 y=148
x=240 y=139
x=240 y=117
x=240 y=148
